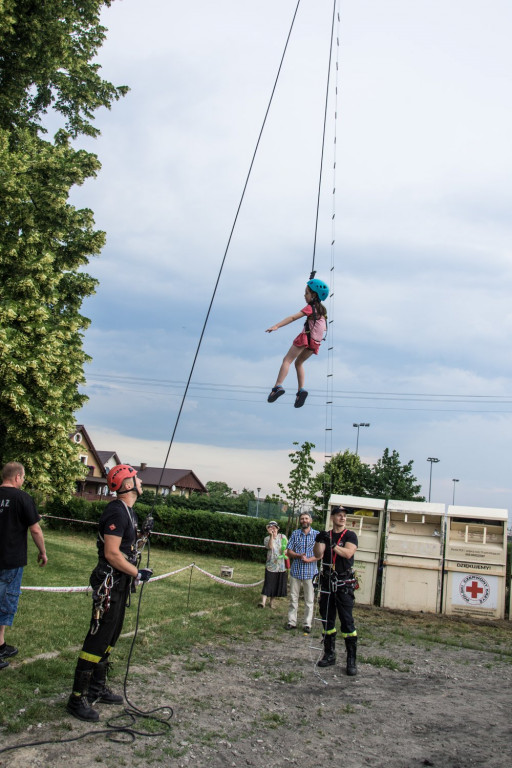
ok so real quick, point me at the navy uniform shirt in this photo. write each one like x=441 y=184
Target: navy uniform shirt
x=341 y=564
x=120 y=520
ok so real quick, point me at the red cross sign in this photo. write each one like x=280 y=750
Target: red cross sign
x=474 y=589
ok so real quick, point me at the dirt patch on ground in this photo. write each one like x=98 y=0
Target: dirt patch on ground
x=261 y=704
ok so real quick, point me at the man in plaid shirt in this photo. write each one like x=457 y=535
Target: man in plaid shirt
x=303 y=568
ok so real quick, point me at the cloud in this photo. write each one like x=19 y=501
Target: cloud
x=238 y=467
x=422 y=267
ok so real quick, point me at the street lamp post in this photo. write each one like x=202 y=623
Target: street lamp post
x=361 y=424
x=432 y=461
x=258 y=502
x=454 y=480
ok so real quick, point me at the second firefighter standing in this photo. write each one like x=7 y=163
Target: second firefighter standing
x=336 y=548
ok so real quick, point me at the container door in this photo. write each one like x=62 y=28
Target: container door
x=413 y=556
x=366 y=518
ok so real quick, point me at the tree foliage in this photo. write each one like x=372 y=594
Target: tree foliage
x=218 y=488
x=46 y=64
x=298 y=489
x=390 y=479
x=346 y=474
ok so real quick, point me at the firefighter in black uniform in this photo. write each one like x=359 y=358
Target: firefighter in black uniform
x=111 y=582
x=336 y=548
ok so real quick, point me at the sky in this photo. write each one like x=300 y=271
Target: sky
x=418 y=172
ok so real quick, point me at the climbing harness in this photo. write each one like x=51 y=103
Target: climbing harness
x=101 y=600
x=336 y=582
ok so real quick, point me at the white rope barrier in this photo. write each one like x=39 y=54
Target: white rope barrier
x=171 y=573
x=153 y=578
x=57 y=589
x=225 y=581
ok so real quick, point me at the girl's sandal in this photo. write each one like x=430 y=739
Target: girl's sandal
x=300 y=398
x=275 y=393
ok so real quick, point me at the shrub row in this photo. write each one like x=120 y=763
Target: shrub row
x=194 y=523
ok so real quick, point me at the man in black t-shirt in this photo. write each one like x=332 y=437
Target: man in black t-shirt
x=18 y=514
x=111 y=581
x=336 y=548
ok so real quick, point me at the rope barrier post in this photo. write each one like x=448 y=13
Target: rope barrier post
x=190 y=584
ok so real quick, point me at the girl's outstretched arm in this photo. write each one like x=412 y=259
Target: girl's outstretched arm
x=286 y=321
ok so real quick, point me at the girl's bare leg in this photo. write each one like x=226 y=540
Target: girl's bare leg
x=288 y=359
x=301 y=358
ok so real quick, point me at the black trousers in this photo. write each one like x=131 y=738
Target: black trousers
x=98 y=646
x=341 y=603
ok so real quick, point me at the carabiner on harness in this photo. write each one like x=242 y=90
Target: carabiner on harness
x=101 y=600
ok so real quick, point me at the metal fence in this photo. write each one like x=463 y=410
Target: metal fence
x=267 y=510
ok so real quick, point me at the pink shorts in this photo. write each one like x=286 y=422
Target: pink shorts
x=304 y=340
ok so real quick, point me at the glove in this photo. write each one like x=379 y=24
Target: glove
x=323 y=538
x=144 y=574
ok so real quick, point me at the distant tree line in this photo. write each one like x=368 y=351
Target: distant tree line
x=345 y=474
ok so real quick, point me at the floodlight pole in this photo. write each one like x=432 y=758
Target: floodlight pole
x=432 y=461
x=358 y=426
x=454 y=480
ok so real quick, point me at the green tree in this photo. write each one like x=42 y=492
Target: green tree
x=46 y=64
x=218 y=488
x=390 y=479
x=345 y=473
x=246 y=495
x=298 y=489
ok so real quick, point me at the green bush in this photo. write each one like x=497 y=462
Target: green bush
x=75 y=508
x=204 y=501
x=193 y=523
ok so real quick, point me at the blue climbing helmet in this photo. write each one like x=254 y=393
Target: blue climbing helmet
x=320 y=288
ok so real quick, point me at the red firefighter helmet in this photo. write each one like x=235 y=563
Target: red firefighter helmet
x=119 y=473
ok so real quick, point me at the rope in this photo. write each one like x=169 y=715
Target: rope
x=329 y=400
x=218 y=579
x=227 y=249
x=169 y=535
x=323 y=139
x=315 y=651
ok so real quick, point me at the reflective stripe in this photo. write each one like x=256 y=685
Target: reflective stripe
x=331 y=632
x=89 y=657
x=350 y=634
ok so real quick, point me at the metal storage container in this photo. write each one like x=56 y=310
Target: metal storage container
x=475 y=562
x=366 y=518
x=413 y=556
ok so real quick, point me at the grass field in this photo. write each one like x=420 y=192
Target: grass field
x=178 y=615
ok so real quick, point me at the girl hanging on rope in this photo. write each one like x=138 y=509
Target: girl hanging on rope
x=307 y=342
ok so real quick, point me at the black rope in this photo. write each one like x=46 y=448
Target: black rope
x=323 y=141
x=226 y=250
x=132 y=713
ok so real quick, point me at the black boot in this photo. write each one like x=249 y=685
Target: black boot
x=78 y=703
x=98 y=688
x=351 y=646
x=329 y=657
